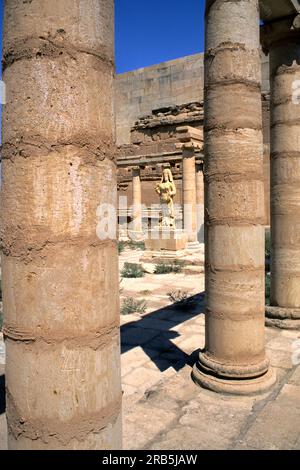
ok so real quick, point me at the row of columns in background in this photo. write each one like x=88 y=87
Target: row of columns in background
x=282 y=41
x=60 y=282
x=192 y=198
x=234 y=359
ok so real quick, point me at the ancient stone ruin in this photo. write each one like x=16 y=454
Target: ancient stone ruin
x=219 y=123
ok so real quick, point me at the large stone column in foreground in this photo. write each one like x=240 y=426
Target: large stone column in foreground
x=60 y=281
x=234 y=359
x=282 y=40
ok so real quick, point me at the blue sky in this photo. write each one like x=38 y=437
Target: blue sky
x=153 y=31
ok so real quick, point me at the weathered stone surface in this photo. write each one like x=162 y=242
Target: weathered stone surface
x=234 y=215
x=137 y=93
x=181 y=81
x=282 y=41
x=135 y=335
x=59 y=279
x=169 y=240
x=142 y=376
x=278 y=425
x=151 y=420
x=279 y=358
x=199 y=419
x=295 y=378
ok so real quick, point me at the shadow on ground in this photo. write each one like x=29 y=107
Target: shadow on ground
x=153 y=333
x=2 y=394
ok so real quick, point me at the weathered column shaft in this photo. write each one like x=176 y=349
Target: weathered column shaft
x=199 y=184
x=200 y=202
x=282 y=39
x=60 y=281
x=234 y=360
x=189 y=194
x=136 y=200
x=285 y=173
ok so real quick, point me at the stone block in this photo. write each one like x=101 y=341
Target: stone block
x=277 y=426
x=142 y=378
x=163 y=239
x=151 y=421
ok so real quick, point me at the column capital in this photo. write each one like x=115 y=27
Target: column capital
x=135 y=170
x=280 y=31
x=199 y=166
x=190 y=139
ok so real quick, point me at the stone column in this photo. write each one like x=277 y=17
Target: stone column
x=190 y=139
x=234 y=360
x=189 y=194
x=199 y=183
x=136 y=232
x=282 y=39
x=200 y=202
x=60 y=281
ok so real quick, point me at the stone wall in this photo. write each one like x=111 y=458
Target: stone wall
x=171 y=83
x=151 y=103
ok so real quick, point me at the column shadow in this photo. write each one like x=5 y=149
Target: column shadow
x=2 y=394
x=154 y=334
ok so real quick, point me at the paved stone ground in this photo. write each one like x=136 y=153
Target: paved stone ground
x=2 y=398
x=163 y=408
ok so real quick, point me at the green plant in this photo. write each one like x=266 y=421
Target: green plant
x=132 y=270
x=146 y=292
x=164 y=268
x=136 y=245
x=131 y=305
x=182 y=299
x=121 y=247
x=178 y=295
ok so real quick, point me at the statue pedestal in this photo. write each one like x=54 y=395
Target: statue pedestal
x=136 y=235
x=195 y=247
x=165 y=239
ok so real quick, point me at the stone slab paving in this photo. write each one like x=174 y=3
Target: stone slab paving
x=174 y=413
x=2 y=397
x=164 y=409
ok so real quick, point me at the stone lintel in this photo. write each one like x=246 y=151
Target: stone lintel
x=189 y=138
x=285 y=29
x=187 y=133
x=150 y=160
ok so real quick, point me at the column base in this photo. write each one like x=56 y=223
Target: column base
x=195 y=247
x=151 y=256
x=165 y=239
x=284 y=318
x=234 y=385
